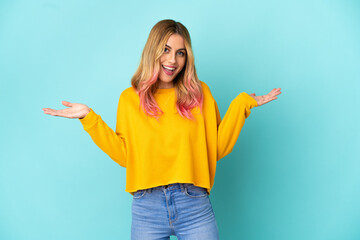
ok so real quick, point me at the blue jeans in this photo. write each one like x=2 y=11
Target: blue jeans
x=179 y=209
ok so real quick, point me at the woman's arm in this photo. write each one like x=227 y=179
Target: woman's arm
x=113 y=143
x=230 y=126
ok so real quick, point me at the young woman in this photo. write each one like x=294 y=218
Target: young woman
x=169 y=136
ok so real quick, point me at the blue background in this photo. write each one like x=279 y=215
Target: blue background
x=294 y=172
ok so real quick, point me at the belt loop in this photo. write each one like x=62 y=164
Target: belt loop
x=182 y=187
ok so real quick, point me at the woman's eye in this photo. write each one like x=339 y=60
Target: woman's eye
x=181 y=53
x=166 y=50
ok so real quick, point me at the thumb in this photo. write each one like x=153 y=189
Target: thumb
x=66 y=103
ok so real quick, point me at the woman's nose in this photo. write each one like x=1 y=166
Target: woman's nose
x=172 y=58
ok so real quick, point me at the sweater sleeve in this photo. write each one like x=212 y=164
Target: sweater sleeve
x=112 y=143
x=230 y=126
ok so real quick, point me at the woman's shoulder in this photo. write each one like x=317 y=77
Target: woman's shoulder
x=204 y=85
x=206 y=89
x=129 y=92
x=128 y=95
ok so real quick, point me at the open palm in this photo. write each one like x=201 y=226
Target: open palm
x=75 y=110
x=261 y=100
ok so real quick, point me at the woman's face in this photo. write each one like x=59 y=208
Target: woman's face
x=172 y=61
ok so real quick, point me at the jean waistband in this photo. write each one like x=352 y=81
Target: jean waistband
x=172 y=186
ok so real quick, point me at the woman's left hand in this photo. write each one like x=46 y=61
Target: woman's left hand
x=261 y=100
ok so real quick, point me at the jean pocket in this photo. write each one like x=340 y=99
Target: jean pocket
x=195 y=191
x=139 y=194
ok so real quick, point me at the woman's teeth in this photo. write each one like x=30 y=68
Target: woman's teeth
x=170 y=69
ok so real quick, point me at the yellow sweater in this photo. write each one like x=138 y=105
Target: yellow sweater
x=175 y=149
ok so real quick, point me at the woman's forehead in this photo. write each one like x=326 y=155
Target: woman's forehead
x=176 y=42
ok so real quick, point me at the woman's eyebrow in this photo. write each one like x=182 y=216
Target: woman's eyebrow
x=178 y=49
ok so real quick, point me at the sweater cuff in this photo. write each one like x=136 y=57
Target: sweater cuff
x=89 y=120
x=248 y=100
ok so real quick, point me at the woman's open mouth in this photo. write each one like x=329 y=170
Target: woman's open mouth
x=168 y=70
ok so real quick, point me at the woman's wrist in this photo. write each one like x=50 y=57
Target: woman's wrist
x=88 y=110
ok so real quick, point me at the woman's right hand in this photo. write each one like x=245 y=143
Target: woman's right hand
x=75 y=110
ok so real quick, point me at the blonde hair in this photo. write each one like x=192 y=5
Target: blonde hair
x=188 y=89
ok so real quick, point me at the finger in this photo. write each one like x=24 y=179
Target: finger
x=271 y=92
x=47 y=110
x=66 y=103
x=269 y=99
x=274 y=92
x=61 y=112
x=50 y=111
x=272 y=99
